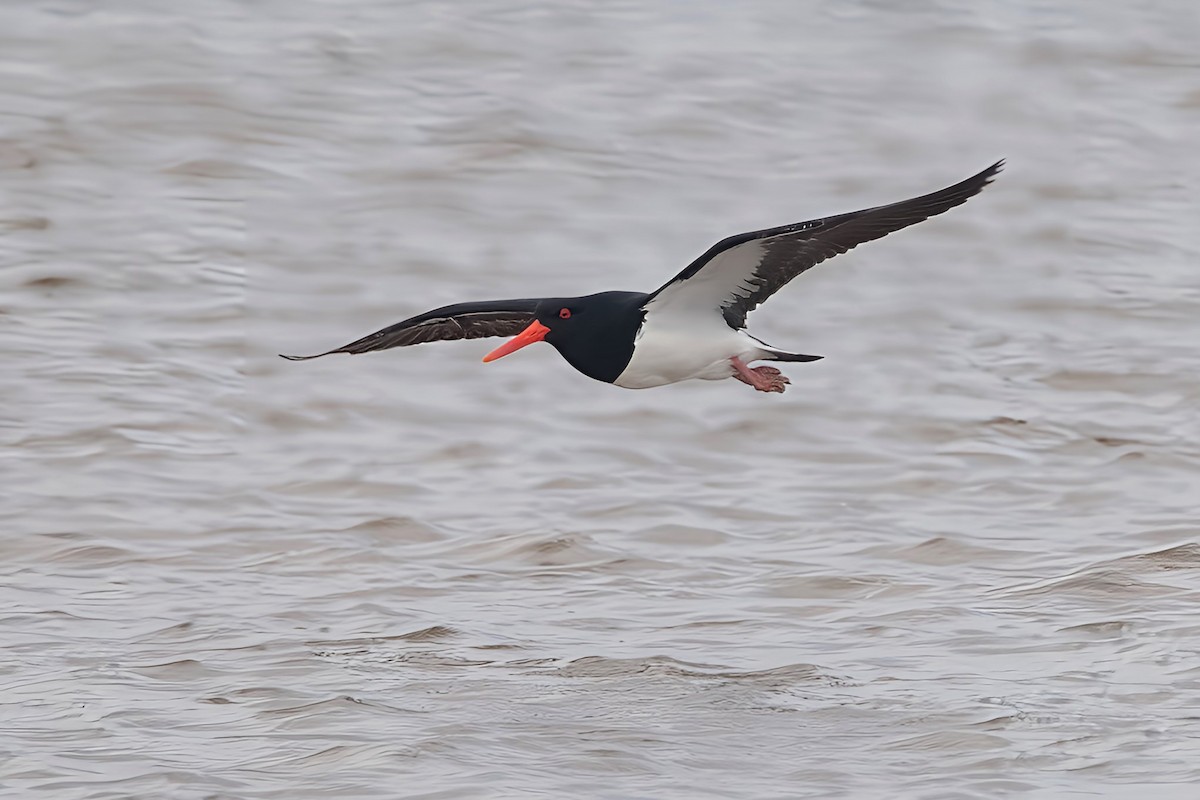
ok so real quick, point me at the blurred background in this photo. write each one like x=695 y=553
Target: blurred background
x=959 y=558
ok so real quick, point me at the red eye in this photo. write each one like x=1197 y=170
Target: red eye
x=564 y=313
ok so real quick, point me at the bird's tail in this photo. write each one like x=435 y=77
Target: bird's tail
x=779 y=355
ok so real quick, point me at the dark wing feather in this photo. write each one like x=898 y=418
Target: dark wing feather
x=460 y=321
x=789 y=250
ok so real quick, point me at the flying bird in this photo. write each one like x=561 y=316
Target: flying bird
x=691 y=327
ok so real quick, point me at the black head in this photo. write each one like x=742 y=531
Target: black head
x=593 y=333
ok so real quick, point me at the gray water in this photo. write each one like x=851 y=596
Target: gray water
x=959 y=558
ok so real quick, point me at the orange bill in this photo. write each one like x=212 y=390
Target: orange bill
x=534 y=333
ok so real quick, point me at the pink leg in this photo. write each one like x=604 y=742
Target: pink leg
x=764 y=379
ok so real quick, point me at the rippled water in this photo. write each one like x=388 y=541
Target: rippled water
x=959 y=558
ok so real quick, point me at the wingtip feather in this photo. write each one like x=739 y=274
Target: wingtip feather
x=303 y=358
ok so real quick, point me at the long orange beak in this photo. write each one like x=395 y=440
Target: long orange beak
x=534 y=333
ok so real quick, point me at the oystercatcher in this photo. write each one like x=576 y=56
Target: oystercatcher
x=693 y=326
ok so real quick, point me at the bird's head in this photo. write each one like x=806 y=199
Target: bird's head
x=594 y=333
x=555 y=321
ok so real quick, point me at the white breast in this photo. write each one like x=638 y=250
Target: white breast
x=673 y=346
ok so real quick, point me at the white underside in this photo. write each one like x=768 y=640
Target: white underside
x=684 y=352
x=684 y=335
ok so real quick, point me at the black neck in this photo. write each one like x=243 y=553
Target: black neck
x=600 y=343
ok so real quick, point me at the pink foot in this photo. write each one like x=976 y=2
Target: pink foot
x=764 y=379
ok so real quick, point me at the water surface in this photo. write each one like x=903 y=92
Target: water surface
x=959 y=558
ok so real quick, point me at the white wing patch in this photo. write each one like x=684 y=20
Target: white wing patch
x=684 y=335
x=727 y=276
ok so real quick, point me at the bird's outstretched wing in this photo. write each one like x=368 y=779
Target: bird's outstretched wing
x=460 y=321
x=739 y=273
